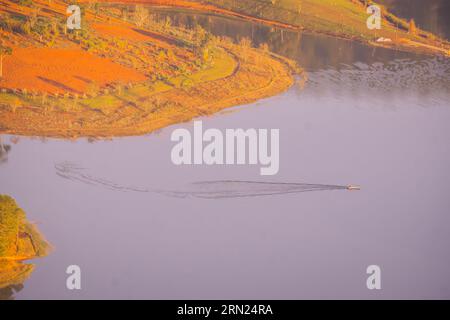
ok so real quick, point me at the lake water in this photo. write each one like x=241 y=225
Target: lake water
x=432 y=15
x=372 y=117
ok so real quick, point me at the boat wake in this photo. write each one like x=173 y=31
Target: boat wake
x=218 y=189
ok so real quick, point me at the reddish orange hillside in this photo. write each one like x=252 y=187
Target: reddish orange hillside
x=61 y=70
x=130 y=32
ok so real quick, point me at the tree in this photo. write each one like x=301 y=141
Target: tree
x=245 y=43
x=199 y=35
x=205 y=54
x=299 y=7
x=96 y=7
x=26 y=3
x=4 y=50
x=124 y=13
x=264 y=47
x=33 y=18
x=167 y=23
x=141 y=15
x=412 y=27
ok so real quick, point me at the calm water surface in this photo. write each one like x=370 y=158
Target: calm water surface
x=431 y=15
x=372 y=117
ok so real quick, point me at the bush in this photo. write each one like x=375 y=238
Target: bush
x=412 y=27
x=5 y=23
x=25 y=28
x=245 y=43
x=264 y=47
x=141 y=16
x=10 y=218
x=186 y=83
x=26 y=3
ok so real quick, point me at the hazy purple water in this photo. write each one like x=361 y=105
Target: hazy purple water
x=382 y=125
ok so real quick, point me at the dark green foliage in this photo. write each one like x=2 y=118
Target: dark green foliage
x=26 y=3
x=15 y=230
x=11 y=216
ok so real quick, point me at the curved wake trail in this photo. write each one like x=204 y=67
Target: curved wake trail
x=237 y=189
x=74 y=172
x=219 y=189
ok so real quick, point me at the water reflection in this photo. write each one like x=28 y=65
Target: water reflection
x=334 y=65
x=400 y=158
x=430 y=15
x=4 y=150
x=19 y=241
x=12 y=276
x=428 y=78
x=313 y=52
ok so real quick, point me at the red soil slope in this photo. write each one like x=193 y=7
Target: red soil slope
x=61 y=70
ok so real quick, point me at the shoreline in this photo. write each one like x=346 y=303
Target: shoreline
x=64 y=107
x=142 y=107
x=403 y=43
x=240 y=87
